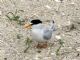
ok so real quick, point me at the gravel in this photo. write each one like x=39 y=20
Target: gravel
x=65 y=14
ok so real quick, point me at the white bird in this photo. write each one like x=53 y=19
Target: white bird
x=40 y=32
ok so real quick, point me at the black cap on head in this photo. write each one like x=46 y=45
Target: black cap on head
x=36 y=21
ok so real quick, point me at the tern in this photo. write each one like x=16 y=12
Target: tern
x=40 y=32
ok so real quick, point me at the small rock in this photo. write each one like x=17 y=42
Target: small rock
x=58 y=0
x=78 y=54
x=54 y=54
x=47 y=6
x=69 y=22
x=70 y=47
x=58 y=37
x=78 y=49
x=39 y=51
x=59 y=26
x=5 y=58
x=72 y=3
x=63 y=14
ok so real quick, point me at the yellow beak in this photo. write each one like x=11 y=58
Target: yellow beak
x=28 y=26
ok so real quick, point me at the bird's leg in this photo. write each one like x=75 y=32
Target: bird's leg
x=42 y=45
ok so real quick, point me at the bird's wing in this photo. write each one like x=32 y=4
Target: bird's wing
x=47 y=34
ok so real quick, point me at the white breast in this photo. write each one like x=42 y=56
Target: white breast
x=37 y=33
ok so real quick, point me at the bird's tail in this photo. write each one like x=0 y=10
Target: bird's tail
x=52 y=25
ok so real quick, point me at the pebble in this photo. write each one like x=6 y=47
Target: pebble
x=72 y=3
x=47 y=6
x=69 y=22
x=58 y=37
x=78 y=49
x=57 y=0
x=59 y=26
x=63 y=14
x=54 y=54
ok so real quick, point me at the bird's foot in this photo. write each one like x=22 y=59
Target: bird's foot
x=42 y=45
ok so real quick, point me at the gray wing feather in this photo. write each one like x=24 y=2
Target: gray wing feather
x=47 y=34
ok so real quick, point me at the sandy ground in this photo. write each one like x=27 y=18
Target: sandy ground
x=65 y=13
